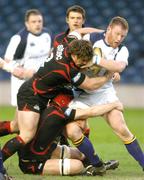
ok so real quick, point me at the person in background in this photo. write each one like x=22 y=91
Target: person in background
x=26 y=52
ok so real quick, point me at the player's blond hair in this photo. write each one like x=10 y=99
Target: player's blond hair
x=118 y=20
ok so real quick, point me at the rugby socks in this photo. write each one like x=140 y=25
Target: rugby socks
x=2 y=170
x=11 y=147
x=135 y=150
x=85 y=146
x=5 y=128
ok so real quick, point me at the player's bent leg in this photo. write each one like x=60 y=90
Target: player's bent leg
x=63 y=151
x=63 y=167
x=27 y=122
x=117 y=122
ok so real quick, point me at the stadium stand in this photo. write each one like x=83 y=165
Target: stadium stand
x=98 y=14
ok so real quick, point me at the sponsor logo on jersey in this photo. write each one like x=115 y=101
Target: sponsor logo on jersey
x=36 y=107
x=68 y=112
x=59 y=52
x=76 y=78
x=40 y=165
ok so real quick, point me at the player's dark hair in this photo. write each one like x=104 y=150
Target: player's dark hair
x=31 y=12
x=119 y=21
x=82 y=48
x=76 y=8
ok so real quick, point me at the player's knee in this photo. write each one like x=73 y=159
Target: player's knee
x=70 y=166
x=65 y=152
x=74 y=133
x=64 y=166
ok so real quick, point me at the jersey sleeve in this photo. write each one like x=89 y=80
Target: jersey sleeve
x=69 y=113
x=78 y=79
x=123 y=55
x=12 y=46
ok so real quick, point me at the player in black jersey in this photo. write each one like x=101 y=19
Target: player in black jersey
x=42 y=155
x=34 y=94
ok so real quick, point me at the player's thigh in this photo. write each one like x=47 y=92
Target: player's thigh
x=27 y=122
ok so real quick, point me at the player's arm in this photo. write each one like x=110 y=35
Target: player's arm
x=112 y=65
x=96 y=82
x=97 y=110
x=87 y=30
x=115 y=65
x=16 y=70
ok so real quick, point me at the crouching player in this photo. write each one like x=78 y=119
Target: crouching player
x=43 y=156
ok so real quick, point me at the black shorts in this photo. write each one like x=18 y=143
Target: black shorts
x=31 y=163
x=31 y=167
x=27 y=100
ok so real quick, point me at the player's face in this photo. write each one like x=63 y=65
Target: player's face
x=74 y=20
x=115 y=35
x=34 y=24
x=81 y=63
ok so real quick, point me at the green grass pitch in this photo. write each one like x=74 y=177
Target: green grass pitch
x=106 y=143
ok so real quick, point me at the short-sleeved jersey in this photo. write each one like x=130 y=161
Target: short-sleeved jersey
x=57 y=73
x=118 y=54
x=28 y=49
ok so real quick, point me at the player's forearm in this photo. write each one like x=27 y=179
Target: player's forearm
x=96 y=82
x=87 y=30
x=7 y=66
x=111 y=65
x=97 y=110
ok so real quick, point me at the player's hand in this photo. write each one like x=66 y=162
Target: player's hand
x=116 y=77
x=109 y=75
x=18 y=72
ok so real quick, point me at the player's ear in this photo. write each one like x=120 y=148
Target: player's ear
x=26 y=24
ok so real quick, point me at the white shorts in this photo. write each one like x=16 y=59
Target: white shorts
x=102 y=96
x=15 y=85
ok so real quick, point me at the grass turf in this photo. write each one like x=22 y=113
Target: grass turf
x=105 y=142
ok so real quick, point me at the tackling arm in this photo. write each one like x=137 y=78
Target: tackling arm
x=96 y=82
x=97 y=110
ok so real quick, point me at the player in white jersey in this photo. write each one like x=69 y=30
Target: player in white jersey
x=29 y=48
x=114 y=58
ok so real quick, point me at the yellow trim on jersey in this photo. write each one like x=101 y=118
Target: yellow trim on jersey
x=128 y=142
x=79 y=141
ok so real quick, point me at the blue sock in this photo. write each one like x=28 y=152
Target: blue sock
x=135 y=150
x=1 y=163
x=85 y=146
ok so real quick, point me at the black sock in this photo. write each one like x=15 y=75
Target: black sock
x=11 y=147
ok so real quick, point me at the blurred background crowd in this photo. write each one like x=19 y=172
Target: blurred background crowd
x=99 y=13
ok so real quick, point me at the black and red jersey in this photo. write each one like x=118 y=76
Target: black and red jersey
x=60 y=38
x=57 y=72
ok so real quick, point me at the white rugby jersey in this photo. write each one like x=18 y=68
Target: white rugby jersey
x=118 y=54
x=36 y=50
x=31 y=51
